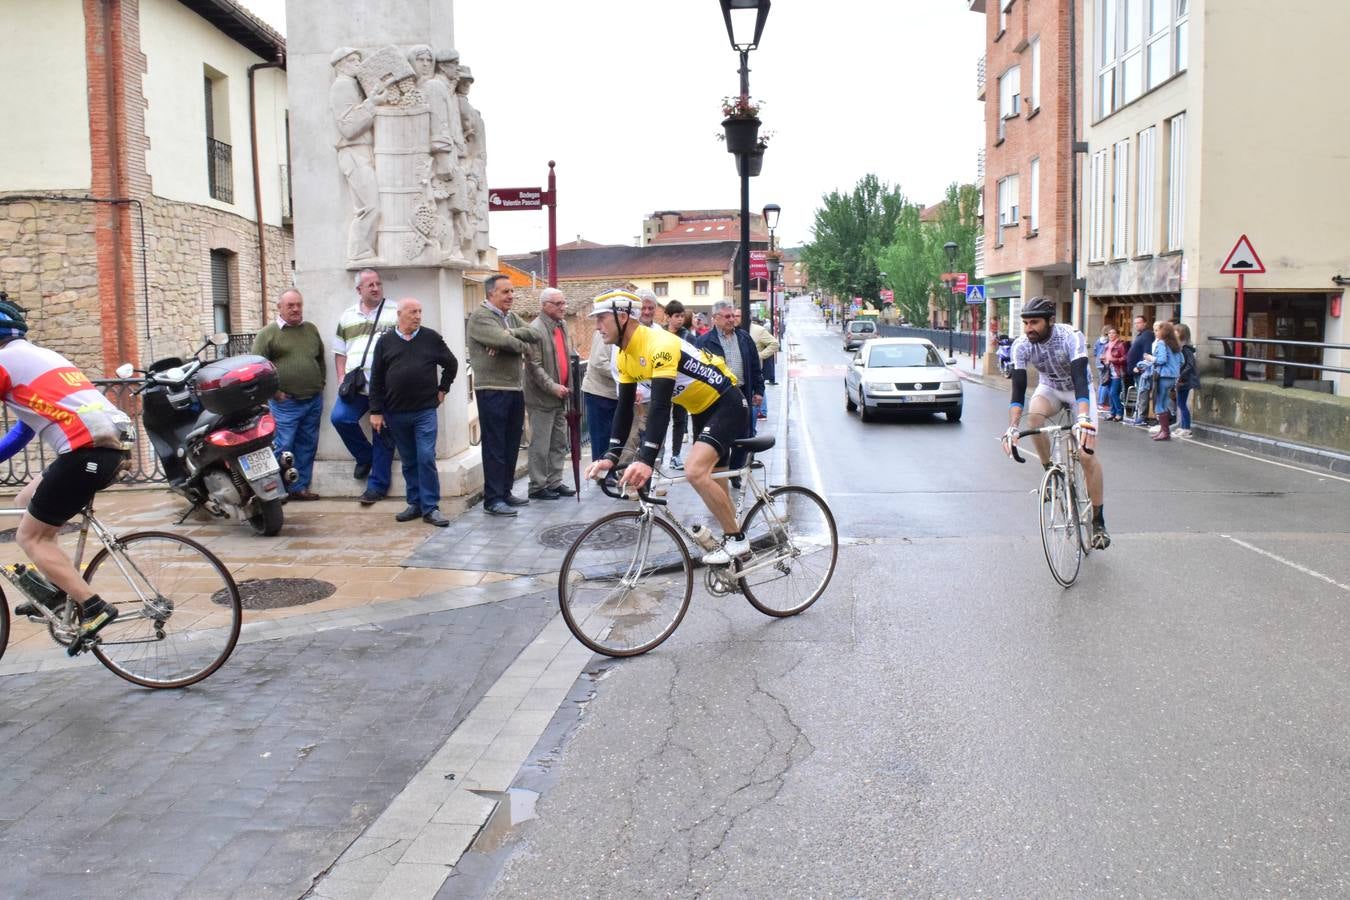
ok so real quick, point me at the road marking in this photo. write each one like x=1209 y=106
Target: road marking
x=1272 y=462
x=817 y=482
x=1290 y=563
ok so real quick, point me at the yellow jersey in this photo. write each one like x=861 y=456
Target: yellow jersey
x=700 y=377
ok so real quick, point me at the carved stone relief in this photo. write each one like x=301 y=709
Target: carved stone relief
x=412 y=149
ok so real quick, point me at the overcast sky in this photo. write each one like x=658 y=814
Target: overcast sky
x=626 y=96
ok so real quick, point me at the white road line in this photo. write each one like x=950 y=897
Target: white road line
x=817 y=482
x=1272 y=462
x=1290 y=563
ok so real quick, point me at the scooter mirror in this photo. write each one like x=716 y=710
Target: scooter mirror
x=125 y=370
x=220 y=339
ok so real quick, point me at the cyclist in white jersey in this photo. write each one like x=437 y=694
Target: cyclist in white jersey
x=1060 y=355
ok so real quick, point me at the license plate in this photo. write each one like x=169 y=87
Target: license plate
x=259 y=463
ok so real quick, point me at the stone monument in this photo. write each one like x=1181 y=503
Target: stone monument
x=388 y=165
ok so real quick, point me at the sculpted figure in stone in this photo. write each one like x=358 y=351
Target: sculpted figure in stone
x=474 y=239
x=446 y=178
x=354 y=113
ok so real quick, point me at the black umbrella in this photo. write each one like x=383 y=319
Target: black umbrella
x=574 y=418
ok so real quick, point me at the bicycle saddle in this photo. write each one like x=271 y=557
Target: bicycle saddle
x=754 y=444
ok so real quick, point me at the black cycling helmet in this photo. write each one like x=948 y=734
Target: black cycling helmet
x=12 y=322
x=1039 y=308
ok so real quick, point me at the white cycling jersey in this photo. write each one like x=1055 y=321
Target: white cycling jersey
x=1053 y=357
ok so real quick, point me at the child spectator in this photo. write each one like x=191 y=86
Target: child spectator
x=1187 y=381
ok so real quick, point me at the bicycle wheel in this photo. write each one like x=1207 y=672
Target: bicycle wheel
x=1059 y=527
x=1083 y=503
x=178 y=609
x=625 y=583
x=795 y=530
x=4 y=623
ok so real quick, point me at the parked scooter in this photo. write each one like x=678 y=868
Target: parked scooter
x=1005 y=355
x=211 y=428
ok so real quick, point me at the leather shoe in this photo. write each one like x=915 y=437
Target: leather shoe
x=409 y=513
x=563 y=490
x=369 y=498
x=545 y=494
x=306 y=494
x=513 y=500
x=498 y=508
x=361 y=472
x=434 y=517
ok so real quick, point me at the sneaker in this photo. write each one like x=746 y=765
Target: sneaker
x=1100 y=540
x=94 y=618
x=1181 y=432
x=1154 y=429
x=513 y=500
x=676 y=462
x=727 y=552
x=369 y=498
x=31 y=608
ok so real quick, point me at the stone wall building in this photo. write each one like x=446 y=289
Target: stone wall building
x=145 y=202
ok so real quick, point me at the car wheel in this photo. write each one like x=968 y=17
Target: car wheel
x=849 y=405
x=863 y=414
x=954 y=415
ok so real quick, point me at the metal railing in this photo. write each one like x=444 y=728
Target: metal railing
x=220 y=170
x=961 y=340
x=240 y=343
x=1234 y=347
x=979 y=79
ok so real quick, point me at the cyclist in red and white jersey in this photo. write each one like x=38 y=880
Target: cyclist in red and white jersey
x=56 y=402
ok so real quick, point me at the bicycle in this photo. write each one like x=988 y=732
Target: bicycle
x=625 y=583
x=1066 y=508
x=156 y=580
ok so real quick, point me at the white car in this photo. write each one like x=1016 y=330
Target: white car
x=902 y=375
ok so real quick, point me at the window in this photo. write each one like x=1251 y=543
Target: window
x=1035 y=201
x=1097 y=208
x=700 y=288
x=1034 y=89
x=1176 y=181
x=1009 y=97
x=1007 y=201
x=221 y=290
x=661 y=288
x=1004 y=7
x=1181 y=30
x=219 y=163
x=1146 y=226
x=1140 y=44
x=1120 y=194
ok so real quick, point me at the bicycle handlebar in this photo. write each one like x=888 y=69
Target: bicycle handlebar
x=605 y=485
x=1047 y=429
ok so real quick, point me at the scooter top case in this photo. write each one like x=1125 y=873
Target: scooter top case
x=236 y=384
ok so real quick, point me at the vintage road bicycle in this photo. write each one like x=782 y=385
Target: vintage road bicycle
x=626 y=581
x=179 y=609
x=1065 y=507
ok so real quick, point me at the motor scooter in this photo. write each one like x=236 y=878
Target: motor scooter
x=212 y=430
x=1005 y=356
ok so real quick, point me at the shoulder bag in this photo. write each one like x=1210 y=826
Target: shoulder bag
x=354 y=382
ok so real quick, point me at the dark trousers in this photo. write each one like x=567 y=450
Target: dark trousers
x=679 y=426
x=501 y=421
x=600 y=421
x=738 y=455
x=415 y=436
x=769 y=371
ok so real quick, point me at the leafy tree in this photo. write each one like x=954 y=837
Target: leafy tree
x=915 y=260
x=848 y=236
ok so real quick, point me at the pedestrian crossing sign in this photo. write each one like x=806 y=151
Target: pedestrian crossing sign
x=974 y=294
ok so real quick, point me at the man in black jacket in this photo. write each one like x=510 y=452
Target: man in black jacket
x=404 y=396
x=1142 y=343
x=728 y=341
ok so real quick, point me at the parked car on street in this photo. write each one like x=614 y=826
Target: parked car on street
x=902 y=374
x=858 y=331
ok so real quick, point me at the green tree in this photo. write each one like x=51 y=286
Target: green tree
x=849 y=234
x=915 y=260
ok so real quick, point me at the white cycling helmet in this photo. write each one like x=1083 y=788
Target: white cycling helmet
x=616 y=301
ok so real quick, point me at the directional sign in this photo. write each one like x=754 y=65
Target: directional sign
x=500 y=199
x=1242 y=260
x=974 y=294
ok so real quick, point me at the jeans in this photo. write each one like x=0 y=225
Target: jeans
x=346 y=419
x=1162 y=393
x=414 y=434
x=298 y=431
x=600 y=421
x=501 y=420
x=1117 y=405
x=1184 y=406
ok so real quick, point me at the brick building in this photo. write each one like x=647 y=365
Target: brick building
x=145 y=201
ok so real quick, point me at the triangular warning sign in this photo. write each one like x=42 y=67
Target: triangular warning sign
x=1242 y=260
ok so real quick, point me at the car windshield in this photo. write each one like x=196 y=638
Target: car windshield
x=862 y=326
x=896 y=356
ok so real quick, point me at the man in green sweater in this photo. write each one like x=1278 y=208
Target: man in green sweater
x=296 y=349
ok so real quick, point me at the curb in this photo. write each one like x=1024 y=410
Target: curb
x=1331 y=461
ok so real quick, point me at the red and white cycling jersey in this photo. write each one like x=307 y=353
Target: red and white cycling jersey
x=53 y=398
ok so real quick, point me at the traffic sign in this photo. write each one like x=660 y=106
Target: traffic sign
x=1242 y=260
x=500 y=199
x=974 y=294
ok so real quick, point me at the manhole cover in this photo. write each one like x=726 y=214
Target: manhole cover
x=277 y=593
x=607 y=537
x=7 y=536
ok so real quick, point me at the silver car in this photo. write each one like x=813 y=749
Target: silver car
x=902 y=375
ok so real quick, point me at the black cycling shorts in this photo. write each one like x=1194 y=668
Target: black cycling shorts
x=72 y=481
x=725 y=421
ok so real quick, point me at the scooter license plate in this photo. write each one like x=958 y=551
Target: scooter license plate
x=259 y=463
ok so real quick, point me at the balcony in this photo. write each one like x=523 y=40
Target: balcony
x=979 y=79
x=979 y=168
x=979 y=256
x=220 y=170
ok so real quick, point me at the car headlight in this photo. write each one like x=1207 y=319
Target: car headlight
x=951 y=385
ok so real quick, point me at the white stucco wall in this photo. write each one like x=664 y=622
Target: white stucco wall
x=178 y=45
x=45 y=142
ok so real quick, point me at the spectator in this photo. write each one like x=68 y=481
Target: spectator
x=649 y=303
x=295 y=347
x=1166 y=360
x=404 y=395
x=701 y=326
x=547 y=387
x=1187 y=381
x=497 y=342
x=357 y=329
x=676 y=316
x=767 y=347
x=1143 y=340
x=1103 y=368
x=1116 y=352
x=738 y=349
x=647 y=316
x=601 y=394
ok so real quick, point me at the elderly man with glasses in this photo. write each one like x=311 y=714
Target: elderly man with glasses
x=729 y=341
x=548 y=369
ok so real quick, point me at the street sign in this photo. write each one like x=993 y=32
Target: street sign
x=974 y=294
x=1242 y=260
x=503 y=199
x=962 y=282
x=759 y=266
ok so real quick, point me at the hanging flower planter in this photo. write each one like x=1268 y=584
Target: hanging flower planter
x=750 y=164
x=742 y=133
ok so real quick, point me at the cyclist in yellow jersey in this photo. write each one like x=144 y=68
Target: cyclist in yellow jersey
x=680 y=374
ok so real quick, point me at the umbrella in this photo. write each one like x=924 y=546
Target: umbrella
x=574 y=418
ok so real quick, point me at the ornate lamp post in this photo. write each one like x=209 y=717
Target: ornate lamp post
x=773 y=261
x=950 y=249
x=745 y=23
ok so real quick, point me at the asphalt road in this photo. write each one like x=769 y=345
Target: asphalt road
x=947 y=720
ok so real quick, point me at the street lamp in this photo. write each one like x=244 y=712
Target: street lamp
x=950 y=249
x=745 y=24
x=772 y=260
